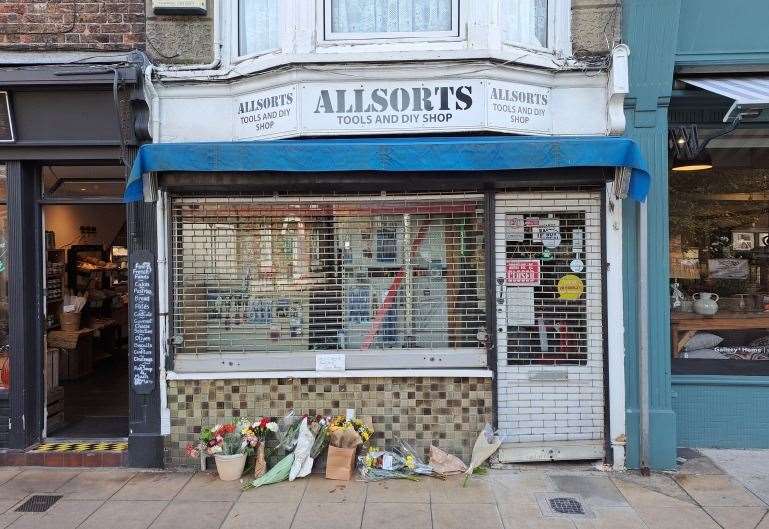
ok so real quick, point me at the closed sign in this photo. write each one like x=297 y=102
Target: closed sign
x=523 y=272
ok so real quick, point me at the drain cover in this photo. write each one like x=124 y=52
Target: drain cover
x=38 y=503
x=566 y=506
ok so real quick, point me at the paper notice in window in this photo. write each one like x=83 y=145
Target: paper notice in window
x=333 y=362
x=520 y=306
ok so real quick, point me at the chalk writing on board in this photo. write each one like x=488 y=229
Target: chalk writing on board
x=143 y=325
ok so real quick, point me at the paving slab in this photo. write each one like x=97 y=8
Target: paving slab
x=94 y=485
x=657 y=490
x=193 y=515
x=611 y=518
x=464 y=516
x=205 y=486
x=153 y=486
x=597 y=491
x=737 y=517
x=399 y=491
x=261 y=516
x=749 y=467
x=519 y=488
x=718 y=491
x=397 y=516
x=124 y=515
x=452 y=491
x=678 y=517
x=284 y=492
x=530 y=517
x=322 y=490
x=35 y=481
x=337 y=515
x=697 y=463
x=64 y=514
x=6 y=474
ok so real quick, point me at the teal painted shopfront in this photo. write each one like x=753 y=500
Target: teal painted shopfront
x=696 y=261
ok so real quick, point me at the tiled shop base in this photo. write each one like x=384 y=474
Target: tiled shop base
x=69 y=455
x=448 y=412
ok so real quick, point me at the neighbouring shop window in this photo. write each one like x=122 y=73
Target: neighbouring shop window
x=259 y=25
x=355 y=274
x=5 y=377
x=370 y=19
x=525 y=22
x=719 y=266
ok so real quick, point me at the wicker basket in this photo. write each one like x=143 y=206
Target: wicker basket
x=70 y=321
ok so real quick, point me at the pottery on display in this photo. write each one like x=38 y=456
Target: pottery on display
x=705 y=303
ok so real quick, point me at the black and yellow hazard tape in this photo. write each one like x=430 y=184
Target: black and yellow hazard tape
x=82 y=447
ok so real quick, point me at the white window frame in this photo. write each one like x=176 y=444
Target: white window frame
x=558 y=28
x=326 y=35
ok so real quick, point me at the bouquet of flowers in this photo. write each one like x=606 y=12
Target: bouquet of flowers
x=319 y=426
x=212 y=440
x=415 y=463
x=255 y=435
x=377 y=465
x=340 y=424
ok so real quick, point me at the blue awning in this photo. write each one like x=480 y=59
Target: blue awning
x=476 y=153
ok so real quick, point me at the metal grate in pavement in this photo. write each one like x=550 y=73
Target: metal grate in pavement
x=38 y=503
x=566 y=506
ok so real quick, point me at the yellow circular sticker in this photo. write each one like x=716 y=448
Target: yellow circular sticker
x=570 y=287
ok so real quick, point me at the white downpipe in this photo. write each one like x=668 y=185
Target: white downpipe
x=151 y=94
x=643 y=332
x=162 y=275
x=616 y=330
x=218 y=44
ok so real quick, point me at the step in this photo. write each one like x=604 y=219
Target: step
x=90 y=453
x=551 y=451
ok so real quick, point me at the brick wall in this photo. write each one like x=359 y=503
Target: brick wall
x=449 y=412
x=100 y=25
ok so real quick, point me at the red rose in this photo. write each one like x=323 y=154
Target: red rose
x=264 y=422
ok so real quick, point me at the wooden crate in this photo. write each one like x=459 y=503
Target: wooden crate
x=78 y=362
x=55 y=409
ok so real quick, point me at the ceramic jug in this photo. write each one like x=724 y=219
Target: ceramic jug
x=705 y=303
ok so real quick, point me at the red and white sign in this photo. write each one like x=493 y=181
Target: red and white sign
x=523 y=272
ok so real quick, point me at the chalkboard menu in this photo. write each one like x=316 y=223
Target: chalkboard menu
x=143 y=322
x=6 y=125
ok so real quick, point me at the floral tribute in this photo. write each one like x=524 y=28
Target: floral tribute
x=229 y=438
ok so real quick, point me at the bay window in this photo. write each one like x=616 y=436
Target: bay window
x=259 y=26
x=257 y=277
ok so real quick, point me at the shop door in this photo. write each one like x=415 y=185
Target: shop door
x=549 y=325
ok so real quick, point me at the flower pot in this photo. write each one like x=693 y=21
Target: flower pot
x=230 y=468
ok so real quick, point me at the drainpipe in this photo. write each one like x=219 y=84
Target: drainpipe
x=643 y=334
x=152 y=96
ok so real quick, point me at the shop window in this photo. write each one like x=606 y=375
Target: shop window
x=359 y=275
x=259 y=26
x=388 y=19
x=83 y=182
x=719 y=268
x=525 y=22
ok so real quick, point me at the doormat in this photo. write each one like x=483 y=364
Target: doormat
x=82 y=447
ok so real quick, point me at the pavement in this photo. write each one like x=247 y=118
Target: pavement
x=726 y=489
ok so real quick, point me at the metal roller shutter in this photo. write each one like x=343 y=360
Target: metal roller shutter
x=257 y=275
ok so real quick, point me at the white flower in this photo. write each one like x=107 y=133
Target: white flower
x=272 y=426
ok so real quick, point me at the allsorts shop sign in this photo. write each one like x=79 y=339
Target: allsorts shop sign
x=392 y=106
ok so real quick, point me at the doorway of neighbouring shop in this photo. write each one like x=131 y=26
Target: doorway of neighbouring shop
x=86 y=303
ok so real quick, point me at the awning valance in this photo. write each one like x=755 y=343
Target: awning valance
x=404 y=154
x=747 y=92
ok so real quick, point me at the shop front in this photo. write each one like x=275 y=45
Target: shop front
x=430 y=284
x=699 y=114
x=68 y=133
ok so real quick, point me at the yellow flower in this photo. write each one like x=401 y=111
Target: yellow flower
x=409 y=461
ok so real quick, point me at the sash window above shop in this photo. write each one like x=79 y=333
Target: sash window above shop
x=375 y=276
